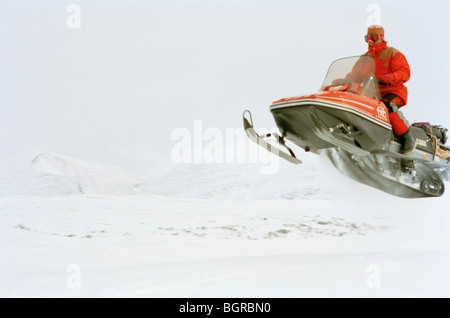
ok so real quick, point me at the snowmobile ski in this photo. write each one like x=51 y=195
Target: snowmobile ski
x=261 y=140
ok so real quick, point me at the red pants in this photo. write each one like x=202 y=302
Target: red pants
x=398 y=121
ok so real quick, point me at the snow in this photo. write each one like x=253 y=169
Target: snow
x=76 y=228
x=93 y=205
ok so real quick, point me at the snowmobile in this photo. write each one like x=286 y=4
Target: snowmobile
x=348 y=122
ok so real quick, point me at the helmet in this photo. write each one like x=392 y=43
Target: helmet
x=376 y=31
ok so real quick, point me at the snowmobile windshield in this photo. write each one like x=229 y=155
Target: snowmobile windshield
x=358 y=72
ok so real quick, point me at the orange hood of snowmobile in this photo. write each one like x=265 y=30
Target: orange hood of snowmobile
x=366 y=106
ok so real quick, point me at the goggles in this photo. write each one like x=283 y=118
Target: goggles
x=373 y=37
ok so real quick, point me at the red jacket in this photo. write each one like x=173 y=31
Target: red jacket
x=391 y=68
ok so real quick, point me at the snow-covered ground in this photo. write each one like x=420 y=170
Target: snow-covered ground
x=76 y=228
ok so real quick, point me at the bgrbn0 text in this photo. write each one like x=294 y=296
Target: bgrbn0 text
x=246 y=307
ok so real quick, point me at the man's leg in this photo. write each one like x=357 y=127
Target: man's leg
x=399 y=123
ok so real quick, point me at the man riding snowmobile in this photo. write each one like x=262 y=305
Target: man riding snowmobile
x=354 y=120
x=392 y=70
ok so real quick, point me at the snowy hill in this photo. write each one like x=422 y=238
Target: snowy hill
x=241 y=182
x=50 y=174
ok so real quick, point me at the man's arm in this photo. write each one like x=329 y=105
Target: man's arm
x=400 y=70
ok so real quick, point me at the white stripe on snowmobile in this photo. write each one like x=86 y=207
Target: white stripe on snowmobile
x=348 y=100
x=332 y=105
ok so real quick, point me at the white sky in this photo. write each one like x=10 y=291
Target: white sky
x=136 y=70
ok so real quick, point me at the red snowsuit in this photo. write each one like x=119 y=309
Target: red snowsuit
x=392 y=69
